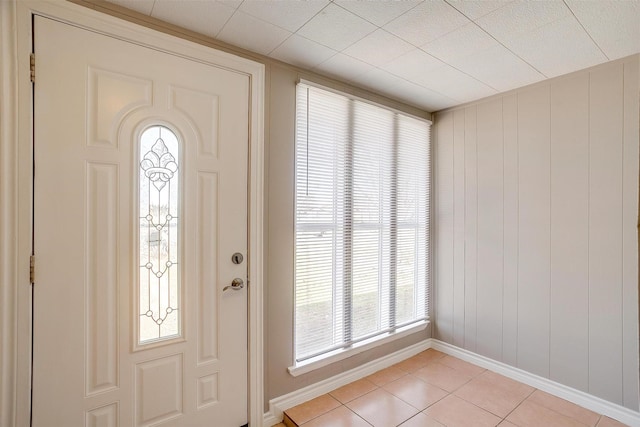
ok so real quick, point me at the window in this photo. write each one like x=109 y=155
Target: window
x=362 y=223
x=158 y=190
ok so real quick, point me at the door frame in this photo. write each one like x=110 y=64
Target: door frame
x=16 y=143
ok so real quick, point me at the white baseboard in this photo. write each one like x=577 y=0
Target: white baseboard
x=278 y=405
x=596 y=404
x=270 y=419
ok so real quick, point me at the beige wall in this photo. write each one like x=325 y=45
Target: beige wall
x=536 y=244
x=279 y=251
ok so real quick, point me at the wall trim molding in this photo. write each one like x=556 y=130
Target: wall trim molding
x=278 y=405
x=8 y=212
x=578 y=397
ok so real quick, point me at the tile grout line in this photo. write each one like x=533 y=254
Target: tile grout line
x=448 y=394
x=518 y=405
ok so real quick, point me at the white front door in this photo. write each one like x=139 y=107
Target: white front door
x=140 y=201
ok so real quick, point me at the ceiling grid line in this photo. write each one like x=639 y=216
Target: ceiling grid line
x=430 y=54
x=585 y=30
x=473 y=21
x=225 y=22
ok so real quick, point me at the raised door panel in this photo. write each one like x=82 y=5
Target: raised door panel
x=94 y=108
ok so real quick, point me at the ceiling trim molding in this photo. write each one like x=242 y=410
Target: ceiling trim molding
x=167 y=28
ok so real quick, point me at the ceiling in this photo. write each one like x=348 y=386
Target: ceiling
x=431 y=54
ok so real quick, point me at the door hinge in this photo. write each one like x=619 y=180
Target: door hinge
x=32 y=67
x=32 y=268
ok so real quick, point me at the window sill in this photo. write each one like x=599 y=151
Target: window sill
x=337 y=355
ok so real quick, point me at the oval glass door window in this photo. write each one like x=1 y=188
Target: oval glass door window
x=159 y=239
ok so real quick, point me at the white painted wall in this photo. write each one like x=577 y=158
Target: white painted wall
x=536 y=244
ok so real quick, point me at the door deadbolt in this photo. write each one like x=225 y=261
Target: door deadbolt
x=237 y=258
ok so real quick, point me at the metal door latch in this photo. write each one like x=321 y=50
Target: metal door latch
x=236 y=285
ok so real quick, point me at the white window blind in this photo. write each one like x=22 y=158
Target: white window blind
x=362 y=222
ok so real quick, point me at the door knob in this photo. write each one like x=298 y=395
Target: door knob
x=236 y=285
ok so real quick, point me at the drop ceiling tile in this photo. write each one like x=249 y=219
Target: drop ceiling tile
x=412 y=64
x=250 y=33
x=557 y=48
x=422 y=97
x=498 y=67
x=231 y=3
x=142 y=6
x=287 y=14
x=379 y=81
x=297 y=50
x=426 y=22
x=204 y=17
x=378 y=48
x=344 y=67
x=477 y=9
x=455 y=84
x=614 y=25
x=378 y=12
x=466 y=40
x=522 y=16
x=336 y=28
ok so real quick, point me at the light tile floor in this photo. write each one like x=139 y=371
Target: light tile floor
x=433 y=389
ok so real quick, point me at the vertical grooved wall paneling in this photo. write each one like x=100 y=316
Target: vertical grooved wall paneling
x=605 y=233
x=536 y=250
x=444 y=231
x=570 y=231
x=490 y=229
x=458 y=228
x=510 y=245
x=534 y=230
x=471 y=228
x=630 y=171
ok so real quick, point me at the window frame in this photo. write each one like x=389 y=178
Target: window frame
x=395 y=331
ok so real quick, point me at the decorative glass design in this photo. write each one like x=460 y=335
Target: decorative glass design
x=159 y=289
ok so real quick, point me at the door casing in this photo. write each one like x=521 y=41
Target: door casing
x=92 y=20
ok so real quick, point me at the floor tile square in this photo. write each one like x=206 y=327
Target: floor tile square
x=565 y=407
x=493 y=394
x=442 y=376
x=415 y=392
x=462 y=366
x=421 y=420
x=608 y=422
x=314 y=408
x=433 y=354
x=385 y=376
x=413 y=363
x=506 y=383
x=382 y=409
x=530 y=414
x=455 y=412
x=353 y=390
x=339 y=417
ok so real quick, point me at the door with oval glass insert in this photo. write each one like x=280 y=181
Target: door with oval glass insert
x=140 y=200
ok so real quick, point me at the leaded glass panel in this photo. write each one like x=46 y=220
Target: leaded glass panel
x=159 y=277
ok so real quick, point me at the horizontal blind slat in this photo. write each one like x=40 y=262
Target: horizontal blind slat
x=361 y=240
